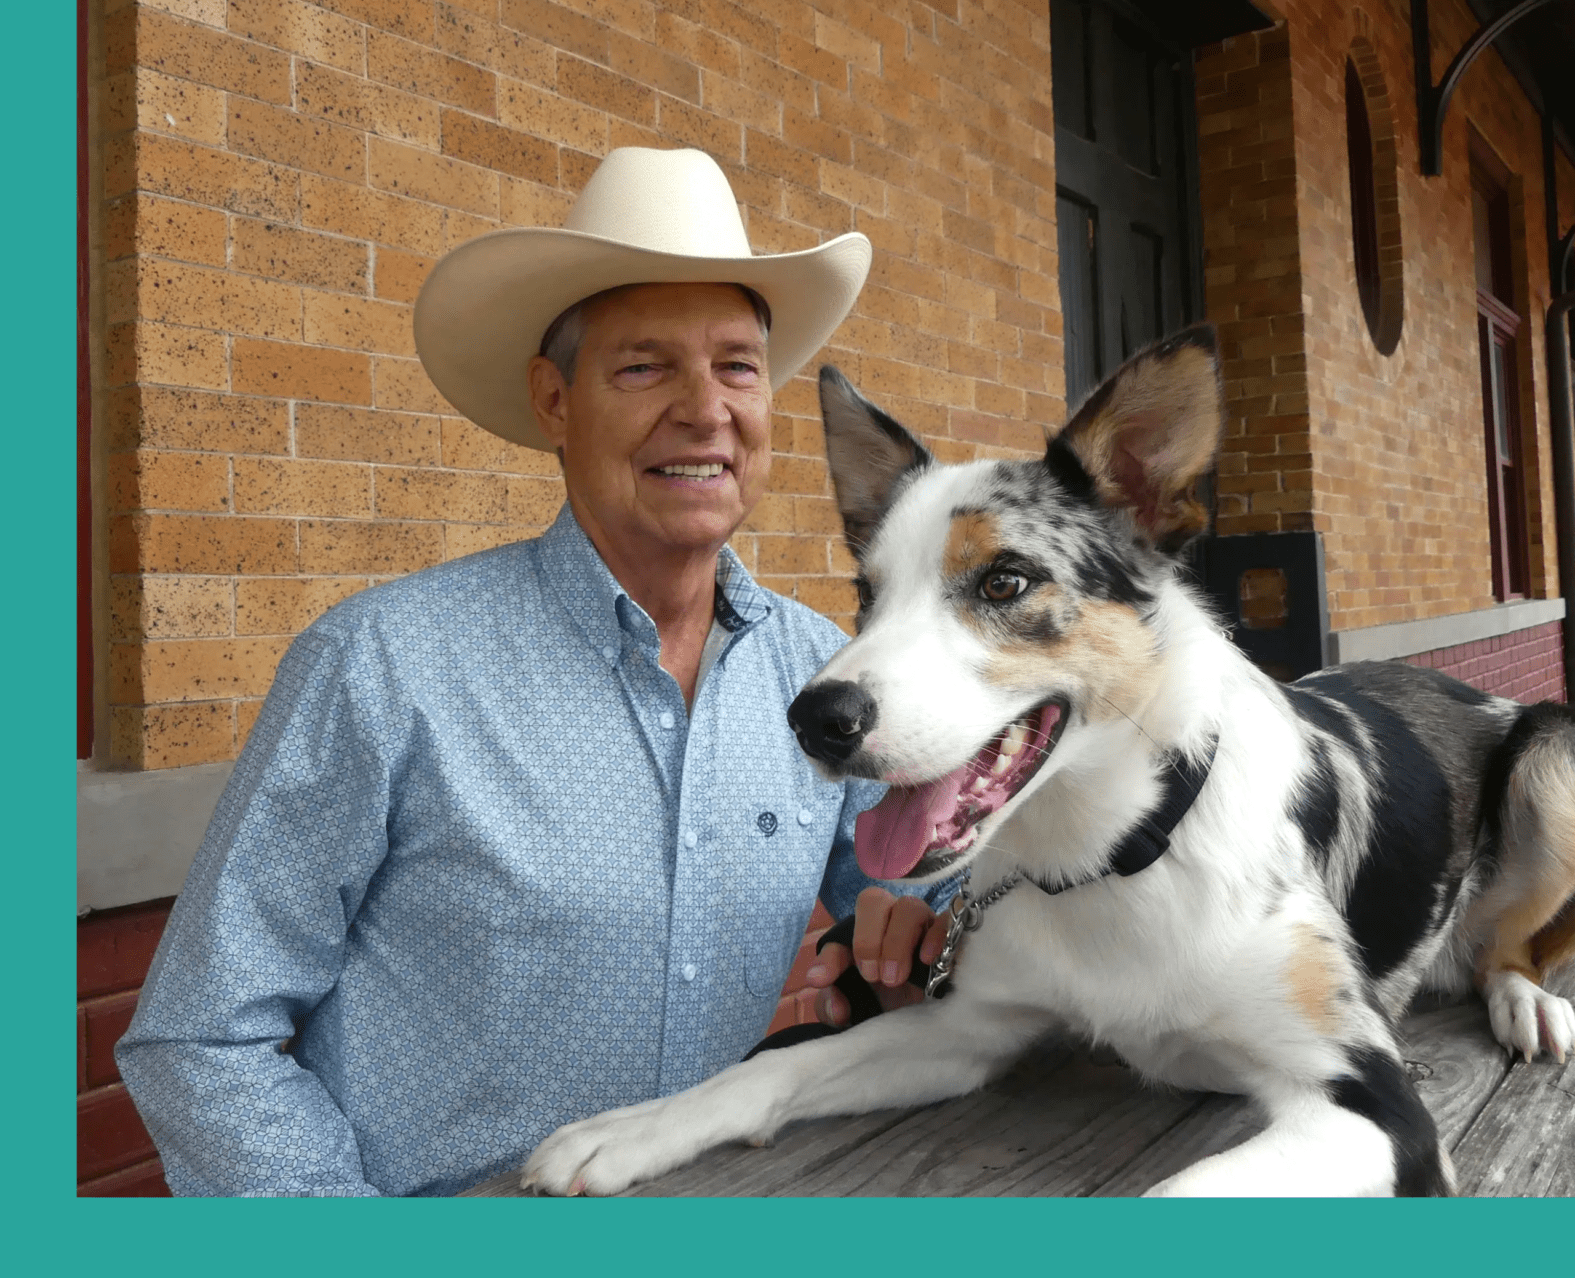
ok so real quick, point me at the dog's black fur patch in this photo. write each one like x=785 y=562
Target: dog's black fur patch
x=1317 y=808
x=1377 y=1088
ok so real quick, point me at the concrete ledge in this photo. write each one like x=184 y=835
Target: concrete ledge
x=138 y=832
x=1407 y=638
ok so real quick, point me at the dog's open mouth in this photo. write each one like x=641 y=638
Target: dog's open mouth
x=919 y=830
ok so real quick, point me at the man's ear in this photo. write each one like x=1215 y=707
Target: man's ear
x=1143 y=438
x=868 y=453
x=549 y=396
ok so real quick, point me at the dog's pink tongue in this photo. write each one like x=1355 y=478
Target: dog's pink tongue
x=890 y=838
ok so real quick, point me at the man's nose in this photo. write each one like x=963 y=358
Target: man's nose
x=830 y=720
x=703 y=401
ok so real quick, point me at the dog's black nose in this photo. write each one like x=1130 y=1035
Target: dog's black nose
x=830 y=719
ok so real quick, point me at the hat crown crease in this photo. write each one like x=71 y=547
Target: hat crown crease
x=676 y=202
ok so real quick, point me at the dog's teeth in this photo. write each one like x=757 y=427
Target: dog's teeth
x=968 y=836
x=1016 y=738
x=1002 y=762
x=980 y=785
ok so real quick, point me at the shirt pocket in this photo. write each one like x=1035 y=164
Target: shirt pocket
x=789 y=840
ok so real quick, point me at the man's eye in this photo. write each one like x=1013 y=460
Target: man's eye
x=866 y=593
x=638 y=368
x=998 y=587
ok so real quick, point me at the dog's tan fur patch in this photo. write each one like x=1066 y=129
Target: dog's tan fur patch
x=1312 y=978
x=973 y=541
x=1106 y=654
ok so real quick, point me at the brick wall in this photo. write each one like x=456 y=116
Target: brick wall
x=1399 y=473
x=278 y=177
x=1526 y=665
x=115 y=1154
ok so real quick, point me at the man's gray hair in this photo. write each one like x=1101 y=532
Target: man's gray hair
x=561 y=342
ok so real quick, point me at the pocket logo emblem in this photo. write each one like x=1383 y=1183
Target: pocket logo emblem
x=767 y=821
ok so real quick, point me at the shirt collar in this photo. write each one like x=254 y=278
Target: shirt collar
x=602 y=608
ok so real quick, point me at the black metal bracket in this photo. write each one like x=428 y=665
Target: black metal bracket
x=1432 y=100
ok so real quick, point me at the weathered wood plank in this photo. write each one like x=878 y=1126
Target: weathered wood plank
x=1456 y=1063
x=1522 y=1144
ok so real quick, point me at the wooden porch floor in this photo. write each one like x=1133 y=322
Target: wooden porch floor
x=1063 y=1123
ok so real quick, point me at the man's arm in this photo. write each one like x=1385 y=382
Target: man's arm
x=256 y=940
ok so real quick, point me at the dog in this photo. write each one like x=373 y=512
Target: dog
x=1237 y=885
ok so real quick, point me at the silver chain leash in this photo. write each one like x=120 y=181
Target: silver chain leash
x=967 y=912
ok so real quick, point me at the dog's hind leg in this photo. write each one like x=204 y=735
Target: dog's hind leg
x=1363 y=1133
x=1524 y=923
x=911 y=1056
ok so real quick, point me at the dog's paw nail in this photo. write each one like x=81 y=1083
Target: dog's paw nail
x=577 y=1189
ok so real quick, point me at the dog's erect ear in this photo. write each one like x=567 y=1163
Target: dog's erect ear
x=868 y=452
x=1145 y=436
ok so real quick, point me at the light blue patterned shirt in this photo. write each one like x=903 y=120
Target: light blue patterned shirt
x=487 y=875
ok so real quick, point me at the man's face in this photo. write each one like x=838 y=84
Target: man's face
x=666 y=432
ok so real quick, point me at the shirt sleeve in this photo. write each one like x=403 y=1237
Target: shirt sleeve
x=843 y=881
x=257 y=939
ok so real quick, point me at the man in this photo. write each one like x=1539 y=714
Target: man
x=525 y=836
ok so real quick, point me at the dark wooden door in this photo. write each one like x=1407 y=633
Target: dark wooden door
x=1126 y=195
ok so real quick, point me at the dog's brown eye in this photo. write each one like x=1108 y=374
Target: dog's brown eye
x=998 y=587
x=866 y=592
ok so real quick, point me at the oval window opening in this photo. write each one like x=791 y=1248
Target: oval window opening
x=1375 y=223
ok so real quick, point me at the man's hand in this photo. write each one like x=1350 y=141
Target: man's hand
x=885 y=930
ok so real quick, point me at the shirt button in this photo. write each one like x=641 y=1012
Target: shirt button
x=804 y=817
x=689 y=971
x=667 y=719
x=609 y=652
x=690 y=838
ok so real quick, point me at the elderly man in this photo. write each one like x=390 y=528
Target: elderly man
x=525 y=836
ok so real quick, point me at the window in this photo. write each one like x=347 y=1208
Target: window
x=1375 y=201
x=1497 y=329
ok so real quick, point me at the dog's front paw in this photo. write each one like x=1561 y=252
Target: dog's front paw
x=1526 y=1018
x=608 y=1153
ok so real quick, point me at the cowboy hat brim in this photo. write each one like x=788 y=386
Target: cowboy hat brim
x=483 y=310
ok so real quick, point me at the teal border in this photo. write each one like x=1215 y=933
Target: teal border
x=635 y=1237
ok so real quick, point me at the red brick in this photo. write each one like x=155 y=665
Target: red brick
x=110 y=1134
x=115 y=947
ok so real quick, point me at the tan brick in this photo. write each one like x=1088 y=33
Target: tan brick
x=470 y=539
x=246 y=713
x=696 y=46
x=170 y=607
x=544 y=115
x=301 y=372
x=145 y=99
x=209 y=12
x=149 y=480
x=533 y=502
x=604 y=90
x=201 y=544
x=399 y=276
x=174 y=293
x=361 y=104
x=830 y=596
x=362 y=323
x=297 y=141
x=492 y=146
x=195 y=669
x=416 y=69
x=357 y=546
x=403 y=385
x=467 y=447
x=558 y=26
x=858 y=50
x=166 y=354
x=287 y=605
x=167 y=166
x=178 y=736
x=167 y=228
x=264 y=486
x=690 y=126
x=440 y=494
x=174 y=47
x=531 y=204
x=157 y=417
x=353 y=434
x=409 y=18
x=371 y=215
x=306 y=29
x=645 y=64
x=405 y=170
x=470 y=36
x=303 y=257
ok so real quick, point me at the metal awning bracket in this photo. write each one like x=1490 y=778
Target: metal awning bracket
x=1432 y=100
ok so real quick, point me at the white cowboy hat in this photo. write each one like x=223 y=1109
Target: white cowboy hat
x=645 y=217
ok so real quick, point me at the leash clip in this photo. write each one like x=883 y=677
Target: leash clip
x=966 y=915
